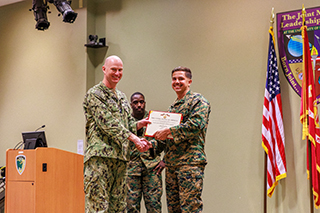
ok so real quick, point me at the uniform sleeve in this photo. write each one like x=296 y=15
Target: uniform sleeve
x=132 y=124
x=158 y=146
x=197 y=120
x=105 y=119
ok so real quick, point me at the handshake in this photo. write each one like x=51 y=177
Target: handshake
x=143 y=144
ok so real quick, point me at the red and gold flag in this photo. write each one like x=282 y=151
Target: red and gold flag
x=309 y=116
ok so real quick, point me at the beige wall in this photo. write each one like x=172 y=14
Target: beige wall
x=224 y=43
x=43 y=77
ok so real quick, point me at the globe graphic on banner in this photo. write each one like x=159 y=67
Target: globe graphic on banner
x=295 y=46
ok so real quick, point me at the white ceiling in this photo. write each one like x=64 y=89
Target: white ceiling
x=5 y=2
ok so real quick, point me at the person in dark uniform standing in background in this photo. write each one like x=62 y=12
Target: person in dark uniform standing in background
x=144 y=169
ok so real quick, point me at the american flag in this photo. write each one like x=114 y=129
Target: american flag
x=272 y=124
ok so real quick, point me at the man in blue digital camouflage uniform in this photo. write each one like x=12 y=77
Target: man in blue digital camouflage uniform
x=144 y=169
x=185 y=157
x=109 y=127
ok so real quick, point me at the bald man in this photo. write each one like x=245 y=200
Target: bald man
x=109 y=128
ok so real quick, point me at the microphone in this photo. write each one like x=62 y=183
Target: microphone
x=43 y=126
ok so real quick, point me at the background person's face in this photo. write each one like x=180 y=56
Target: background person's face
x=138 y=104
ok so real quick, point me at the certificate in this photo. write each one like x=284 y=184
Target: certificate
x=161 y=120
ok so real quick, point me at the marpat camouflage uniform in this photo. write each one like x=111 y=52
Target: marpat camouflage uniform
x=185 y=157
x=142 y=180
x=108 y=125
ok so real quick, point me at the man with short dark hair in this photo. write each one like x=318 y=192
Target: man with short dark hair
x=185 y=157
x=109 y=127
x=144 y=170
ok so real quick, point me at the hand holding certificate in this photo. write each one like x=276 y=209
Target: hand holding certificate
x=162 y=120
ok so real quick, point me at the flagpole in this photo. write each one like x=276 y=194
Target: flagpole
x=310 y=177
x=308 y=141
x=265 y=183
x=266 y=155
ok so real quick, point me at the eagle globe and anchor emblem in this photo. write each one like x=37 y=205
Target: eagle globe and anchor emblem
x=20 y=163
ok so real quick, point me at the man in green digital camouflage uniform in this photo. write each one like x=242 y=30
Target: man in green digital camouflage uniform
x=109 y=127
x=185 y=157
x=144 y=170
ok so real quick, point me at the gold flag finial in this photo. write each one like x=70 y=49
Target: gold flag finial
x=272 y=17
x=303 y=15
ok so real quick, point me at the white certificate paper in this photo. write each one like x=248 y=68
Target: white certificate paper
x=161 y=120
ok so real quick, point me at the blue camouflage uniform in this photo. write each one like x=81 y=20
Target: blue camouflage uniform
x=108 y=125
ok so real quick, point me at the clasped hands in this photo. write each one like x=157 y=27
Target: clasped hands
x=143 y=145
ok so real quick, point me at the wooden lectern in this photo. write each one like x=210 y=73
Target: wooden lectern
x=44 y=180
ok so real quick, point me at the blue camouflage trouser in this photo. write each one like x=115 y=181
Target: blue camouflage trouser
x=105 y=185
x=184 y=188
x=149 y=184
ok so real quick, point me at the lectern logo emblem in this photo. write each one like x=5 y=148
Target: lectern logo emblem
x=20 y=163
